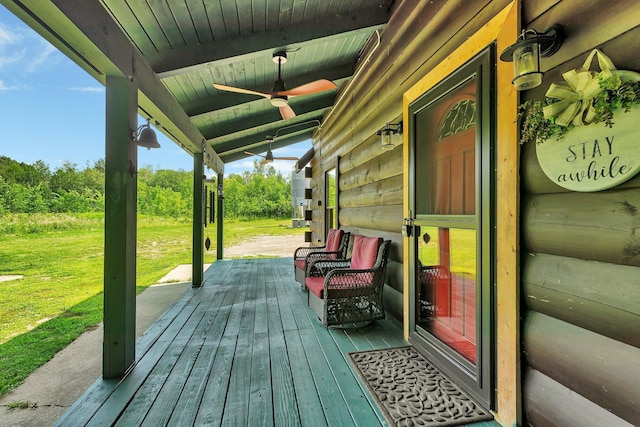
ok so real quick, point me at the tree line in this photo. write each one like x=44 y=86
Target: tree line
x=35 y=188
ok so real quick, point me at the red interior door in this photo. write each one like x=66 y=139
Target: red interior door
x=447 y=292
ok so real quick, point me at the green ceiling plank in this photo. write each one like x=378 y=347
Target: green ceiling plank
x=191 y=58
x=300 y=106
x=255 y=139
x=289 y=140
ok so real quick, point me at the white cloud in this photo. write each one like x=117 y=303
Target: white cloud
x=98 y=89
x=44 y=55
x=24 y=50
x=4 y=87
x=10 y=50
x=7 y=36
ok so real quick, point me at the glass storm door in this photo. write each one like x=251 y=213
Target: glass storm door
x=450 y=198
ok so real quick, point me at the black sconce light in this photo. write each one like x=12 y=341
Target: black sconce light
x=526 y=52
x=145 y=137
x=389 y=134
x=308 y=193
x=308 y=172
x=307 y=236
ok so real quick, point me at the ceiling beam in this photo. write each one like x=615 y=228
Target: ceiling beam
x=255 y=138
x=301 y=107
x=90 y=37
x=188 y=59
x=291 y=139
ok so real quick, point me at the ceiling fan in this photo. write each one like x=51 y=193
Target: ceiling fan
x=268 y=157
x=279 y=96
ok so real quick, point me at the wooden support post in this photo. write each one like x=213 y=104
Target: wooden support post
x=197 y=262
x=220 y=218
x=121 y=162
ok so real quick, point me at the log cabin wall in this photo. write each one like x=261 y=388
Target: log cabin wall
x=580 y=262
x=419 y=35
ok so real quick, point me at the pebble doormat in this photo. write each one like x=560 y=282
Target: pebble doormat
x=412 y=392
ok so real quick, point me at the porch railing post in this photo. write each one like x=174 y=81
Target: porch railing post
x=121 y=162
x=220 y=218
x=197 y=263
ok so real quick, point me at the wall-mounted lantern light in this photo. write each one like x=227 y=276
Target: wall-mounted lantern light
x=145 y=137
x=389 y=135
x=526 y=52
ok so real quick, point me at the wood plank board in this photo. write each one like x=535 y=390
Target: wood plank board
x=244 y=349
x=191 y=393
x=309 y=405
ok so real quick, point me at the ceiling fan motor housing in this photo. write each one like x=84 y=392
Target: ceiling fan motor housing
x=279 y=96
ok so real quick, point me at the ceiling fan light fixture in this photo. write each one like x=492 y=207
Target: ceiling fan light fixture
x=280 y=57
x=279 y=101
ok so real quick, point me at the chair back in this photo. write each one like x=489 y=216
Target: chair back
x=334 y=238
x=365 y=252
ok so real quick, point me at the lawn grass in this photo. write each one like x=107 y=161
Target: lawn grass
x=61 y=259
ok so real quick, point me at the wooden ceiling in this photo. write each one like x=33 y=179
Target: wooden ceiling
x=177 y=49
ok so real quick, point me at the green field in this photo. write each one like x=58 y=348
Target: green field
x=61 y=259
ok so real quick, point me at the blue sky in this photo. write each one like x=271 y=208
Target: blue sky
x=51 y=110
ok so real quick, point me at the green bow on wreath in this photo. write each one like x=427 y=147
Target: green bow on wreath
x=576 y=98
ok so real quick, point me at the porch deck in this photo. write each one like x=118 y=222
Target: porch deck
x=242 y=350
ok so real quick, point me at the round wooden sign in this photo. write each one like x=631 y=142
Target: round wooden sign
x=594 y=157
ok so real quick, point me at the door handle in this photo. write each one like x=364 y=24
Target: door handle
x=409 y=229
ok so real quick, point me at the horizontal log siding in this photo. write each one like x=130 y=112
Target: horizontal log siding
x=551 y=404
x=383 y=218
x=387 y=191
x=605 y=371
x=580 y=292
x=581 y=252
x=601 y=226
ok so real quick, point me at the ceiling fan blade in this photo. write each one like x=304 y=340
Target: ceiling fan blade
x=287 y=112
x=240 y=90
x=253 y=154
x=313 y=87
x=285 y=158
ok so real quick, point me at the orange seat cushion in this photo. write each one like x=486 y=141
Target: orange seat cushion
x=315 y=285
x=333 y=240
x=299 y=263
x=365 y=251
x=342 y=286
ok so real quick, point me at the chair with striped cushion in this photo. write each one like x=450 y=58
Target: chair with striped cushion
x=350 y=291
x=335 y=248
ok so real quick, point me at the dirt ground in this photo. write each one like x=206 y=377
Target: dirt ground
x=280 y=246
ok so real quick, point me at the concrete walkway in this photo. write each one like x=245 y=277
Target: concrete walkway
x=55 y=386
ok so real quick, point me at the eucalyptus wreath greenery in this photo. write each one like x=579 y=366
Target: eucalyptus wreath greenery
x=616 y=94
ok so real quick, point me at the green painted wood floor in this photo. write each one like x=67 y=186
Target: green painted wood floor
x=242 y=350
